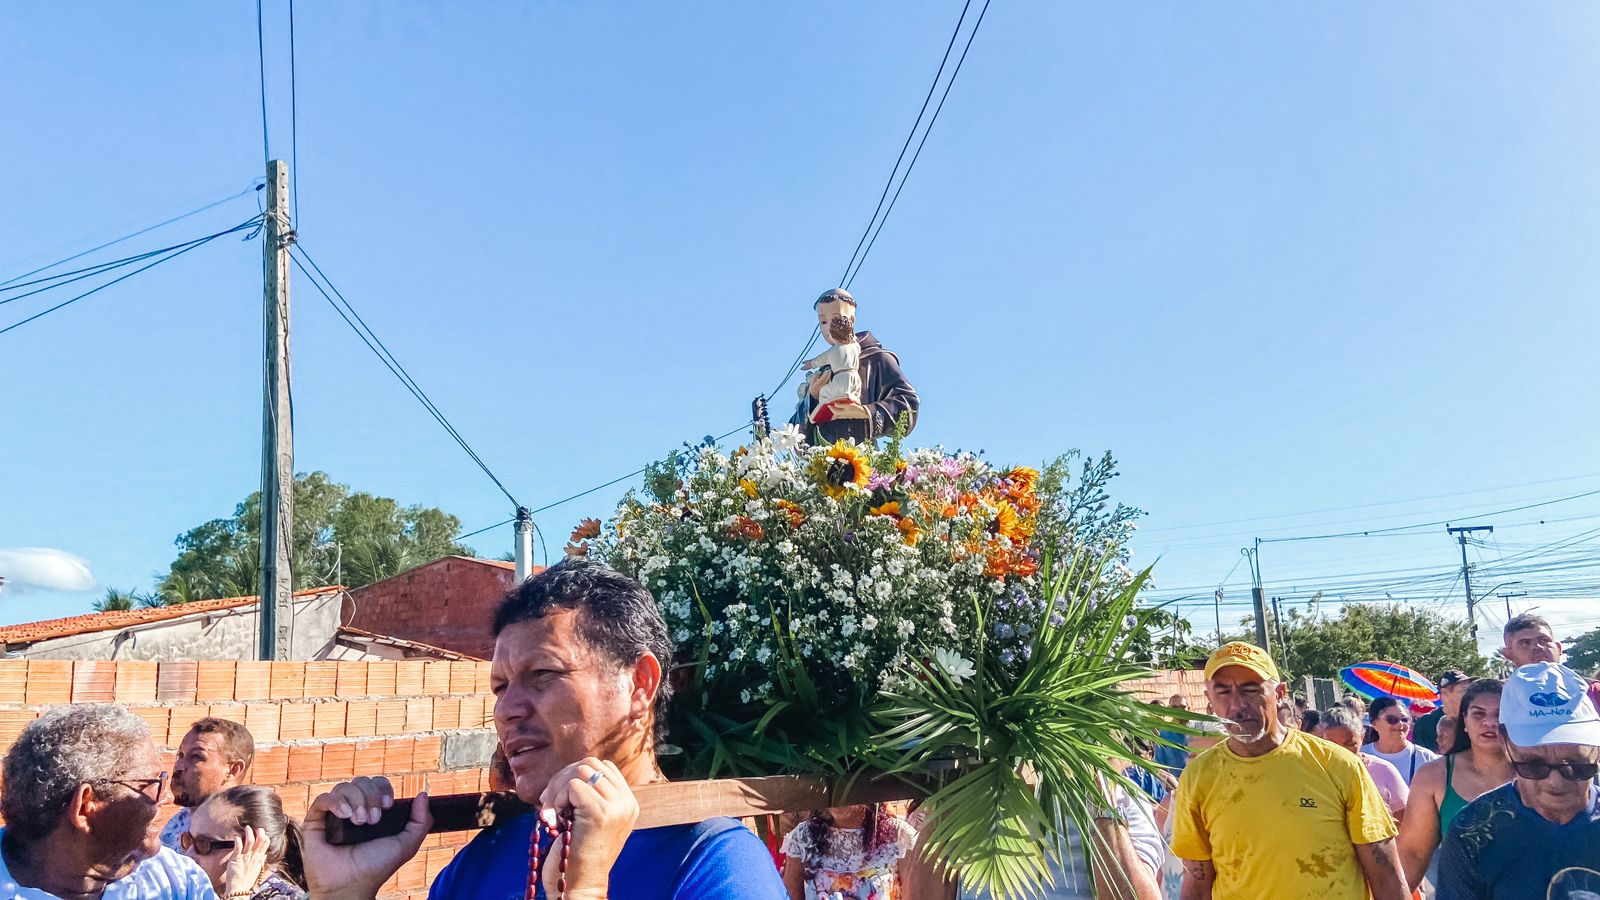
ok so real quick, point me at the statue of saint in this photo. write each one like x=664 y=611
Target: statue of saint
x=856 y=389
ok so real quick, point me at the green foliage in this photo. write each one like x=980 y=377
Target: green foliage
x=1320 y=645
x=355 y=538
x=114 y=601
x=1583 y=653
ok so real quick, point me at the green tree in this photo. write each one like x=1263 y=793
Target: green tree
x=1320 y=645
x=354 y=538
x=1583 y=653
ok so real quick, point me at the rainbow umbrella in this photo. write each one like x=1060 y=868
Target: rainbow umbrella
x=1374 y=679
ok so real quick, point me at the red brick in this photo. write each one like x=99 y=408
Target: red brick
x=391 y=717
x=182 y=718
x=413 y=876
x=49 y=682
x=480 y=681
x=296 y=721
x=419 y=714
x=352 y=680
x=214 y=679
x=262 y=721
x=434 y=861
x=446 y=713
x=328 y=719
x=271 y=765
x=14 y=681
x=322 y=678
x=369 y=757
x=136 y=681
x=288 y=680
x=425 y=758
x=305 y=762
x=94 y=681
x=381 y=679
x=397 y=756
x=295 y=797
x=12 y=721
x=463 y=677
x=361 y=718
x=339 y=761
x=159 y=718
x=252 y=680
x=233 y=712
x=408 y=678
x=176 y=682
x=435 y=678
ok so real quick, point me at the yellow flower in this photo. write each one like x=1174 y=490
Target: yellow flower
x=909 y=530
x=841 y=467
x=892 y=508
x=748 y=486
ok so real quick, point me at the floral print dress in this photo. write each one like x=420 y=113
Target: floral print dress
x=847 y=871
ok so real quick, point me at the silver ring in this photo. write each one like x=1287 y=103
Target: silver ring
x=595 y=778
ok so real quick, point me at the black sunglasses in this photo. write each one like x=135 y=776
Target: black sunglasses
x=141 y=785
x=1397 y=720
x=203 y=845
x=1538 y=770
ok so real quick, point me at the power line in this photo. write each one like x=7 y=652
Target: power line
x=1401 y=528
x=294 y=126
x=11 y=282
x=462 y=537
x=925 y=132
x=97 y=269
x=261 y=63
x=379 y=349
x=250 y=223
x=639 y=471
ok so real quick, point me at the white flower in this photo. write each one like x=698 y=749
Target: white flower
x=954 y=665
x=868 y=622
x=788 y=439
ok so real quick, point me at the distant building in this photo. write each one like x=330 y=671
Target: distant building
x=448 y=603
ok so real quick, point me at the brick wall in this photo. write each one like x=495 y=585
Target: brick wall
x=315 y=723
x=447 y=603
x=1191 y=683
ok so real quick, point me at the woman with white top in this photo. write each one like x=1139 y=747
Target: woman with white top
x=1392 y=721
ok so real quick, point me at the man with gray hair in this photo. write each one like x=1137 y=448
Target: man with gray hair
x=82 y=787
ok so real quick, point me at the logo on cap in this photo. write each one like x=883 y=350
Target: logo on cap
x=1548 y=699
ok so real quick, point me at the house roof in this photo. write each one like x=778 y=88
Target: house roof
x=115 y=620
x=360 y=636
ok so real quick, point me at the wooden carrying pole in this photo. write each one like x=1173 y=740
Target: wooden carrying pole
x=668 y=803
x=276 y=607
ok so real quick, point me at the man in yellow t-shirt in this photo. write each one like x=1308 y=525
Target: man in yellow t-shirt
x=1273 y=813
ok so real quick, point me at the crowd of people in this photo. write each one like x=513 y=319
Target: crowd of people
x=1491 y=796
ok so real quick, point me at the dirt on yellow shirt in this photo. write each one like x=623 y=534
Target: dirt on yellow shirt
x=1281 y=825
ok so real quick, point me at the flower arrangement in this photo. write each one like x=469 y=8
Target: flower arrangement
x=843 y=607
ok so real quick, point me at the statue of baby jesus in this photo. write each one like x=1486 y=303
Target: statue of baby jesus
x=840 y=396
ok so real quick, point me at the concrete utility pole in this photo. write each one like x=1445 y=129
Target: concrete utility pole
x=276 y=619
x=524 y=549
x=1507 y=599
x=1466 y=573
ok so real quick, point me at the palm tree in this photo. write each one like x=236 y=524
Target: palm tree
x=115 y=601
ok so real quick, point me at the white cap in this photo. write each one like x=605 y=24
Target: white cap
x=1546 y=703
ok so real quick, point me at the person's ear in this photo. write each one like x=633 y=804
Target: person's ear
x=1282 y=691
x=647 y=676
x=81 y=808
x=236 y=770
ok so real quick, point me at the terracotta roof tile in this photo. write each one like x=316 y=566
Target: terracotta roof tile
x=30 y=632
x=442 y=653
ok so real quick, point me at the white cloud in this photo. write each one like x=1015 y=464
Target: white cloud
x=41 y=568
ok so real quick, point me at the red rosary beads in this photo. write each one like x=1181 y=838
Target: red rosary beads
x=562 y=829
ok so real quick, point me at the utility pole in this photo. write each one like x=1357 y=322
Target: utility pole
x=1258 y=598
x=1277 y=625
x=524 y=548
x=1466 y=573
x=1216 y=607
x=1507 y=599
x=276 y=607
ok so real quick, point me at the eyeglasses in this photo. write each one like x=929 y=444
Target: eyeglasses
x=203 y=845
x=1397 y=720
x=141 y=785
x=1539 y=770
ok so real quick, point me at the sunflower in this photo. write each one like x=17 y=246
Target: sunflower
x=839 y=469
x=1011 y=526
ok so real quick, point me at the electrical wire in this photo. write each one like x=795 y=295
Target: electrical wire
x=636 y=472
x=380 y=350
x=464 y=536
x=915 y=156
x=261 y=64
x=294 y=126
x=1402 y=528
x=250 y=223
x=10 y=283
x=99 y=268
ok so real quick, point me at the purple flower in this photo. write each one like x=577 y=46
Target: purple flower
x=879 y=481
x=849 y=537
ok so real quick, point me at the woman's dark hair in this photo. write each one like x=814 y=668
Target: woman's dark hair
x=877 y=829
x=1309 y=719
x=1480 y=687
x=1379 y=705
x=259 y=807
x=617 y=617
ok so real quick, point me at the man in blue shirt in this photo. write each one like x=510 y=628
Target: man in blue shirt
x=1537 y=838
x=1174 y=758
x=580 y=695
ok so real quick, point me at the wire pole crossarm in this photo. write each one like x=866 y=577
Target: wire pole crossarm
x=1466 y=571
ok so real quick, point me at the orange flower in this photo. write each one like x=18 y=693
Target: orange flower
x=578 y=549
x=792 y=510
x=1023 y=479
x=1009 y=525
x=909 y=531
x=950 y=511
x=747 y=527
x=892 y=509
x=587 y=528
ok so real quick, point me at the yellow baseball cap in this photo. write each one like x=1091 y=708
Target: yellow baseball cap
x=1239 y=653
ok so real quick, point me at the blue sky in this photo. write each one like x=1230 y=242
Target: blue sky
x=1279 y=259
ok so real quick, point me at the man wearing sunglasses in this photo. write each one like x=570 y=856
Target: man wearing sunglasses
x=81 y=790
x=1539 y=836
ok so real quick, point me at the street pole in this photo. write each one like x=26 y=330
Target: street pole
x=1466 y=572
x=1258 y=598
x=1216 y=607
x=276 y=616
x=1507 y=599
x=524 y=549
x=1277 y=625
